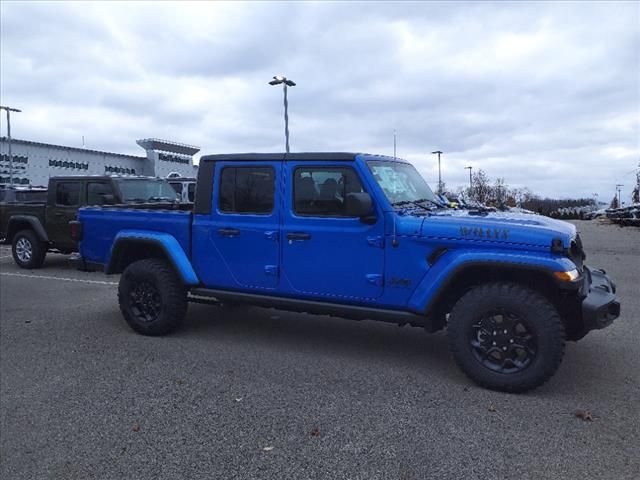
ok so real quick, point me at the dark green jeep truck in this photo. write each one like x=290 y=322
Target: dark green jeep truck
x=34 y=228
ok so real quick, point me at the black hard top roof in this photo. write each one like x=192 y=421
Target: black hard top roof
x=80 y=177
x=101 y=177
x=274 y=157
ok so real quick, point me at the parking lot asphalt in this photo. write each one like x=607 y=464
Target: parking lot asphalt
x=256 y=393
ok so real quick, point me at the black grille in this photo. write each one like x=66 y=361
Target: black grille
x=576 y=252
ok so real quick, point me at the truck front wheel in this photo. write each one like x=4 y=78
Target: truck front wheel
x=28 y=251
x=152 y=298
x=506 y=337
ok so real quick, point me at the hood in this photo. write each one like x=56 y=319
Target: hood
x=497 y=227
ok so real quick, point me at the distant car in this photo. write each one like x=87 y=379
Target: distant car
x=629 y=215
x=36 y=222
x=595 y=214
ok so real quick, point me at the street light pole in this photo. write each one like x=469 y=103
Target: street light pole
x=618 y=185
x=438 y=152
x=277 y=80
x=470 y=181
x=9 y=109
x=286 y=117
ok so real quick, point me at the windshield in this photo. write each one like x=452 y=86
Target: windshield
x=401 y=183
x=146 y=190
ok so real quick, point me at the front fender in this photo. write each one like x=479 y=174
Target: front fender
x=453 y=262
x=168 y=243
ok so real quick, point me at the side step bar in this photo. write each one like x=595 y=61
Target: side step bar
x=205 y=295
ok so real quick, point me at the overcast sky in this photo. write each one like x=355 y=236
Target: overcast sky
x=546 y=95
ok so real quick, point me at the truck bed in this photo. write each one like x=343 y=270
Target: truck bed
x=105 y=223
x=9 y=209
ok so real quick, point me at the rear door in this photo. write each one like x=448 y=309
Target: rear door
x=64 y=201
x=237 y=246
x=326 y=253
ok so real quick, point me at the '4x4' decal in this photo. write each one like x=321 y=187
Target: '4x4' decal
x=497 y=233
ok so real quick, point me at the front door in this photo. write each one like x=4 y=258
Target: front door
x=327 y=254
x=237 y=246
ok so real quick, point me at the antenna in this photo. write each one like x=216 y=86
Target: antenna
x=82 y=141
x=394 y=143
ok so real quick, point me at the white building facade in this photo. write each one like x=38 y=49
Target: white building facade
x=34 y=162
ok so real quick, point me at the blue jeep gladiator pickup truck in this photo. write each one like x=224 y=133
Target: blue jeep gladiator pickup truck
x=363 y=237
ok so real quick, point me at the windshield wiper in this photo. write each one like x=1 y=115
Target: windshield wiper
x=163 y=199
x=151 y=199
x=417 y=203
x=433 y=202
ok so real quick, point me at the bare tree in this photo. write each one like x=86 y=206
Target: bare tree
x=481 y=188
x=498 y=193
x=614 y=202
x=521 y=195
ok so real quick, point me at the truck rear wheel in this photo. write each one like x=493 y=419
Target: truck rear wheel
x=28 y=251
x=506 y=337
x=152 y=298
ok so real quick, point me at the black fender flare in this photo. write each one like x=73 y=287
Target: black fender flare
x=505 y=267
x=33 y=221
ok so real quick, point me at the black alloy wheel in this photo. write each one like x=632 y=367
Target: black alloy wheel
x=146 y=304
x=501 y=342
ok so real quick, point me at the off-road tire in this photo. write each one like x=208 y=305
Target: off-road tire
x=533 y=310
x=27 y=249
x=152 y=278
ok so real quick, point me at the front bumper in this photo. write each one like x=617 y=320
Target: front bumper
x=599 y=305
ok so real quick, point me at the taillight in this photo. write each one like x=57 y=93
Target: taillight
x=76 y=230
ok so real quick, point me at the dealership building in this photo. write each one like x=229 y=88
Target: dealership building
x=35 y=162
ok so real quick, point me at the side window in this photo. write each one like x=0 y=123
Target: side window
x=96 y=193
x=177 y=186
x=247 y=190
x=322 y=191
x=68 y=193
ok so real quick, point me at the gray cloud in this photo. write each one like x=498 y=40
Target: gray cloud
x=545 y=95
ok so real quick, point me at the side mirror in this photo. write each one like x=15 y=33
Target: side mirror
x=360 y=205
x=108 y=199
